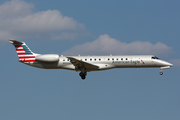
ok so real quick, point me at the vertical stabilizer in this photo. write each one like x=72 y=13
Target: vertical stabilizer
x=23 y=51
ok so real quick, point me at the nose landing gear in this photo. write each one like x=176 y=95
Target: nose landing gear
x=166 y=67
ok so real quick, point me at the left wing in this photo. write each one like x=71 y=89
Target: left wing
x=79 y=64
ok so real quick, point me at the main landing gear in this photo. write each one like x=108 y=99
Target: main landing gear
x=83 y=75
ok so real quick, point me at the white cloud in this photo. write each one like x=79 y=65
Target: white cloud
x=175 y=62
x=19 y=21
x=105 y=45
x=64 y=36
x=15 y=9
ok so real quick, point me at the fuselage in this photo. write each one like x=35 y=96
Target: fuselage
x=105 y=62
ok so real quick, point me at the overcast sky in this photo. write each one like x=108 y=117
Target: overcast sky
x=90 y=27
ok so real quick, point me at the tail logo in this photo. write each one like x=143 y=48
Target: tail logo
x=23 y=52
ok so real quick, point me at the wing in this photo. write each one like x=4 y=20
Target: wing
x=79 y=64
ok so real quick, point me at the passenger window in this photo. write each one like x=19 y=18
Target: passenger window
x=112 y=58
x=126 y=59
x=63 y=59
x=108 y=59
x=90 y=59
x=85 y=59
x=121 y=58
x=94 y=59
x=117 y=59
x=99 y=59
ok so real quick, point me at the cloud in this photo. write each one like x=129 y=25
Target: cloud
x=175 y=62
x=105 y=45
x=19 y=21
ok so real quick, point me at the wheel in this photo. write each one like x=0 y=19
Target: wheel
x=161 y=73
x=83 y=77
x=81 y=74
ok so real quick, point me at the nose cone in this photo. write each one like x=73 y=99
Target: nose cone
x=168 y=64
x=171 y=64
x=165 y=63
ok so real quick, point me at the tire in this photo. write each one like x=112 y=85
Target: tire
x=83 y=77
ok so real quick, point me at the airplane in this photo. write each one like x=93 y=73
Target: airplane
x=86 y=64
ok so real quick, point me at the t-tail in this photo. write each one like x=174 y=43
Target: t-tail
x=23 y=51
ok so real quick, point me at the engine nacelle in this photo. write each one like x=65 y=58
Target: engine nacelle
x=48 y=58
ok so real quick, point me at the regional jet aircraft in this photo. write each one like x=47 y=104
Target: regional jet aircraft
x=86 y=64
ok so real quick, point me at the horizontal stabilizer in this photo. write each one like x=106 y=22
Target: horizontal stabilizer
x=15 y=42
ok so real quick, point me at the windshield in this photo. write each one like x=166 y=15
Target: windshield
x=154 y=57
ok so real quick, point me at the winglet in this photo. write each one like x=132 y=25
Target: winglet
x=14 y=42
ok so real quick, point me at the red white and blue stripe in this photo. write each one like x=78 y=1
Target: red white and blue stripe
x=24 y=53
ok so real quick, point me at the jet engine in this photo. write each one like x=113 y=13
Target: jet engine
x=48 y=58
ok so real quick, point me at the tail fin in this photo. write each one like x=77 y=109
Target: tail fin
x=23 y=51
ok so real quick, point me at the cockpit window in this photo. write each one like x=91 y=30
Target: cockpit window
x=154 y=57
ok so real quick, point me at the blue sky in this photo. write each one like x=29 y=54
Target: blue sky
x=90 y=28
